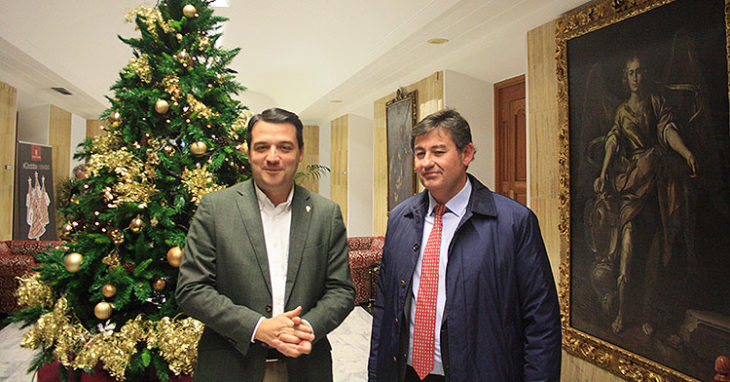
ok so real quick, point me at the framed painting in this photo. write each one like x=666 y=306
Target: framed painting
x=645 y=186
x=400 y=117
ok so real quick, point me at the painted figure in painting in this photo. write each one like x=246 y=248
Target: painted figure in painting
x=36 y=203
x=400 y=160
x=641 y=197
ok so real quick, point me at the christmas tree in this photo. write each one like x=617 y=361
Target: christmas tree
x=105 y=298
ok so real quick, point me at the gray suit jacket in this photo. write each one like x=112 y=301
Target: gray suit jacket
x=224 y=281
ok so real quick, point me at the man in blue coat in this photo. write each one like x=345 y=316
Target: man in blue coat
x=465 y=292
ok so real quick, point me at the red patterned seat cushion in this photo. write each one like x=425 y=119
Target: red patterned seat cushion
x=16 y=258
x=365 y=255
x=30 y=247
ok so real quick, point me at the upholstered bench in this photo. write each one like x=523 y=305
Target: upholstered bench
x=365 y=255
x=16 y=258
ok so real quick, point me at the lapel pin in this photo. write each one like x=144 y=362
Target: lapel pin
x=307 y=208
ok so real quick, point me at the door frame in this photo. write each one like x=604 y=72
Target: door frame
x=498 y=170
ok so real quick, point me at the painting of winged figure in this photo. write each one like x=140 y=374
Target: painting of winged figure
x=650 y=185
x=37 y=203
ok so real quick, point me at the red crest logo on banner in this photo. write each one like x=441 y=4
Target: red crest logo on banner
x=35 y=153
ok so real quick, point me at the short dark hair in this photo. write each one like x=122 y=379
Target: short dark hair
x=276 y=115
x=449 y=120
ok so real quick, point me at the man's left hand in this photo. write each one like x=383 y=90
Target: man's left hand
x=297 y=340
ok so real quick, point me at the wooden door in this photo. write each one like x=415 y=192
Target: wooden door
x=510 y=138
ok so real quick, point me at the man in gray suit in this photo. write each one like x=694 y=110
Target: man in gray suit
x=266 y=268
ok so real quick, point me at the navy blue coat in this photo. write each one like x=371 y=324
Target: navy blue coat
x=501 y=320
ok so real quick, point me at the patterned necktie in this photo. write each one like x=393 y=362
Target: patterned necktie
x=425 y=322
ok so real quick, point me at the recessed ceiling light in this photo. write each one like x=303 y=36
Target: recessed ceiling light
x=63 y=91
x=220 y=4
x=336 y=101
x=438 y=41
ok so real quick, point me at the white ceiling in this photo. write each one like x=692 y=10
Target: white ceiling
x=295 y=54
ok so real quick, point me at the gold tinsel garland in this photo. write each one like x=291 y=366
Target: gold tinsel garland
x=141 y=66
x=239 y=124
x=135 y=186
x=178 y=343
x=154 y=143
x=150 y=165
x=152 y=18
x=197 y=106
x=199 y=182
x=172 y=85
x=32 y=291
x=54 y=330
x=203 y=42
x=114 y=351
x=120 y=161
x=112 y=259
x=110 y=141
x=75 y=347
x=134 y=192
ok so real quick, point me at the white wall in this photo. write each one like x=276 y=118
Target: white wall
x=474 y=100
x=360 y=176
x=33 y=124
x=471 y=97
x=78 y=135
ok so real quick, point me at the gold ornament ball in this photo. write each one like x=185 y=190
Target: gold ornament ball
x=161 y=106
x=174 y=256
x=109 y=290
x=103 y=310
x=137 y=224
x=198 y=148
x=189 y=11
x=73 y=262
x=159 y=285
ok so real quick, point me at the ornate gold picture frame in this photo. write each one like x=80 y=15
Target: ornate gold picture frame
x=645 y=186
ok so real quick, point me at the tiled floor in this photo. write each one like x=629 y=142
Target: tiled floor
x=14 y=360
x=350 y=348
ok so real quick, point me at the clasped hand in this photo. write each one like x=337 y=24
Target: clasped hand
x=287 y=333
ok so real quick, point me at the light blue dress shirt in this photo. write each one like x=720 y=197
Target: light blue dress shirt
x=456 y=207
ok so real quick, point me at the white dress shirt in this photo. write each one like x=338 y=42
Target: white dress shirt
x=276 y=221
x=456 y=207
